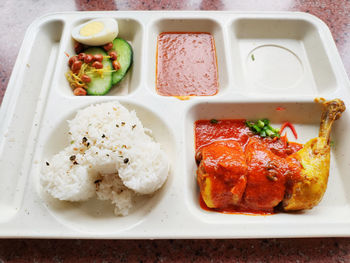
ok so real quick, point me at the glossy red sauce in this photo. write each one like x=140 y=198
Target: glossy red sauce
x=186 y=64
x=259 y=196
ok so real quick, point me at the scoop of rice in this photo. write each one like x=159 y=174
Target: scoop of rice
x=106 y=139
x=66 y=181
x=111 y=187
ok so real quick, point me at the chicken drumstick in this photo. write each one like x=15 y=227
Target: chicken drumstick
x=314 y=159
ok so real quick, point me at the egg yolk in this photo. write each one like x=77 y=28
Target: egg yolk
x=91 y=29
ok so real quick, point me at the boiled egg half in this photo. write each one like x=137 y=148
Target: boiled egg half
x=96 y=32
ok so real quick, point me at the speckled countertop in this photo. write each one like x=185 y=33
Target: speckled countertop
x=15 y=16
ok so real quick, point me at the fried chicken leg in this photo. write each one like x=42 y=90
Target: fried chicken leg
x=314 y=158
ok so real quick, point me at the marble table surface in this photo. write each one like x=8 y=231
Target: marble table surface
x=15 y=16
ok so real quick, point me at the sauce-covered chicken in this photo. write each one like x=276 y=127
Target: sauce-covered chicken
x=222 y=173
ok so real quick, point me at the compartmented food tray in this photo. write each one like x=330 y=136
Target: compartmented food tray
x=298 y=61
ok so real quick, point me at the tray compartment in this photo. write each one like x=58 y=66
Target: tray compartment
x=94 y=216
x=305 y=116
x=129 y=29
x=276 y=56
x=16 y=144
x=187 y=25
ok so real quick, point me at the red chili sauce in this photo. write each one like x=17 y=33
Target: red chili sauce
x=247 y=173
x=186 y=64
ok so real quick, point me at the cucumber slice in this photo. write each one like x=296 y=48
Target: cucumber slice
x=125 y=57
x=99 y=85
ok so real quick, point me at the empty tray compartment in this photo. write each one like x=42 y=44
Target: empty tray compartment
x=275 y=56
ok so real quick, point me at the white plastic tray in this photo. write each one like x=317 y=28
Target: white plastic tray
x=298 y=61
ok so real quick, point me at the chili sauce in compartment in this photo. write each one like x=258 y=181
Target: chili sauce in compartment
x=233 y=164
x=186 y=64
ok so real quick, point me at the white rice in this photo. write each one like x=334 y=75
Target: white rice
x=106 y=139
x=112 y=188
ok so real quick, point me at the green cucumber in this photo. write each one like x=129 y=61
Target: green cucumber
x=125 y=57
x=99 y=85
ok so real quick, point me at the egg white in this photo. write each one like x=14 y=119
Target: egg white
x=106 y=35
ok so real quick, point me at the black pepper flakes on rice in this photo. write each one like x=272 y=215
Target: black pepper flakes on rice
x=122 y=123
x=47 y=163
x=75 y=163
x=117 y=125
x=134 y=126
x=84 y=140
x=103 y=136
x=72 y=158
x=126 y=160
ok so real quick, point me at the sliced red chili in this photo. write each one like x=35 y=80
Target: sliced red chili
x=290 y=126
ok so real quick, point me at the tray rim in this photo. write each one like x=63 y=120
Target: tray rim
x=12 y=92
